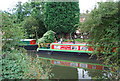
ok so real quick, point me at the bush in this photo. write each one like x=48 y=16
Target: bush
x=18 y=65
x=48 y=37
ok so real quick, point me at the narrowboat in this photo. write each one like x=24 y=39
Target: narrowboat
x=67 y=47
x=70 y=47
x=29 y=44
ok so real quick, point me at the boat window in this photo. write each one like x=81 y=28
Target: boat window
x=83 y=48
x=74 y=47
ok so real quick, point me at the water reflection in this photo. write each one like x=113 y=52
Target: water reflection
x=83 y=74
x=75 y=66
x=64 y=69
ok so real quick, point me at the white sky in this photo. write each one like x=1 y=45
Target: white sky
x=84 y=4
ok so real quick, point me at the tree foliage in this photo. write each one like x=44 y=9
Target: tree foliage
x=12 y=32
x=102 y=24
x=30 y=15
x=34 y=28
x=15 y=63
x=48 y=37
x=19 y=13
x=61 y=17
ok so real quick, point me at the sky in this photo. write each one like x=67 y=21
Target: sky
x=83 y=4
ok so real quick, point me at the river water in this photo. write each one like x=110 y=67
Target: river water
x=75 y=66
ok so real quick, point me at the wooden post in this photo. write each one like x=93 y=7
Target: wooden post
x=0 y=33
x=0 y=41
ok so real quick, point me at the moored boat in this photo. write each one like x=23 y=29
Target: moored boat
x=70 y=47
x=29 y=44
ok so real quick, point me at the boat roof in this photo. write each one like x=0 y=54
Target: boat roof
x=27 y=39
x=70 y=43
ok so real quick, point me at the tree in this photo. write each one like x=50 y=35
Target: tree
x=103 y=26
x=30 y=15
x=19 y=12
x=16 y=64
x=12 y=32
x=34 y=28
x=35 y=12
x=61 y=17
